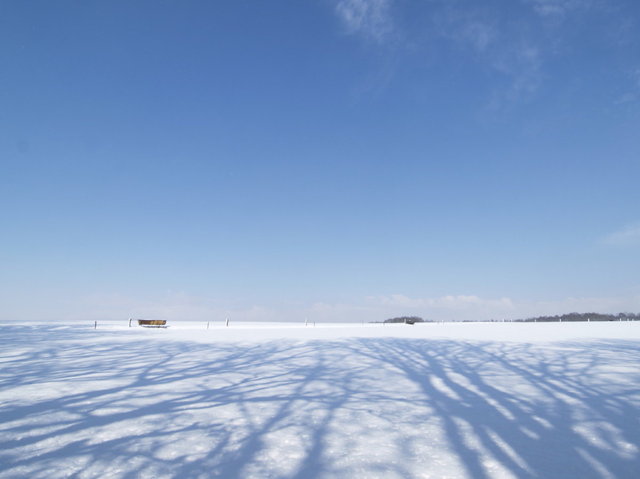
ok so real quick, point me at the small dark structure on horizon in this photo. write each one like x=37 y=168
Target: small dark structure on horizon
x=152 y=323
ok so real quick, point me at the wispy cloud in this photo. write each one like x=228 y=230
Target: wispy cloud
x=522 y=65
x=633 y=91
x=467 y=27
x=558 y=8
x=378 y=308
x=491 y=41
x=170 y=305
x=550 y=8
x=463 y=307
x=183 y=306
x=627 y=236
x=370 y=18
x=451 y=302
x=513 y=47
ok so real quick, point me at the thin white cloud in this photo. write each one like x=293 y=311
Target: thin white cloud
x=451 y=302
x=549 y=8
x=556 y=9
x=182 y=306
x=628 y=236
x=480 y=35
x=170 y=305
x=629 y=97
x=467 y=27
x=487 y=38
x=633 y=92
x=463 y=307
x=370 y=18
x=514 y=48
x=522 y=64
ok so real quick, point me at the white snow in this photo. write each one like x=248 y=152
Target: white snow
x=257 y=400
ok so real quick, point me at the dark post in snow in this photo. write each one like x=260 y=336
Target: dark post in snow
x=95 y=325
x=227 y=322
x=129 y=322
x=207 y=324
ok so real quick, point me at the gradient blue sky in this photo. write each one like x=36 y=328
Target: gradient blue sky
x=336 y=160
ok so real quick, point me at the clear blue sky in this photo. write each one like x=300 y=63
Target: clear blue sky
x=331 y=159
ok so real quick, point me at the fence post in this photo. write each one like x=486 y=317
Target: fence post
x=227 y=322
x=95 y=325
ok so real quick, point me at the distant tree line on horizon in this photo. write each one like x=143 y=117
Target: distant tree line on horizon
x=574 y=317
x=582 y=317
x=405 y=319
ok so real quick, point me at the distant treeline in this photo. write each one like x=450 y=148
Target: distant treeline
x=583 y=317
x=539 y=319
x=405 y=319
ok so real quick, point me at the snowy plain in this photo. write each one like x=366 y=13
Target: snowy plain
x=259 y=400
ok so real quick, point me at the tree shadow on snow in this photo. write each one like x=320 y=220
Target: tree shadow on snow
x=524 y=406
x=110 y=404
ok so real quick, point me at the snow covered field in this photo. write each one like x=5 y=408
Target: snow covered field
x=490 y=400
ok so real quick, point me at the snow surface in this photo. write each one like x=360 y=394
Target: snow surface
x=487 y=400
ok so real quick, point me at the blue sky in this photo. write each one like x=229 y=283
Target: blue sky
x=332 y=159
